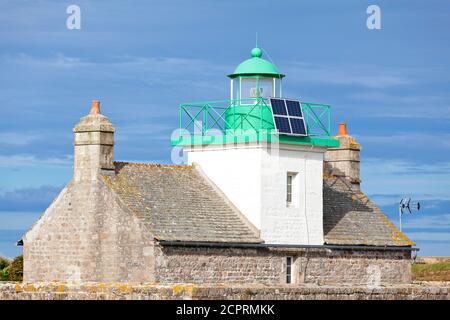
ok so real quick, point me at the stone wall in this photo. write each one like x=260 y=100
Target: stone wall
x=322 y=266
x=360 y=267
x=212 y=265
x=87 y=235
x=114 y=291
x=345 y=160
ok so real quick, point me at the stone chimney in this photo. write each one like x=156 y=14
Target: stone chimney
x=94 y=145
x=345 y=160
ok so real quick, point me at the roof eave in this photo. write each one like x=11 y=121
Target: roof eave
x=262 y=245
x=272 y=75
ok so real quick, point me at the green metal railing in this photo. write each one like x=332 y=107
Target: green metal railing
x=317 y=119
x=229 y=116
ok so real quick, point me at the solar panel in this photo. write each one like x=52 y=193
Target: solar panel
x=294 y=108
x=288 y=117
x=298 y=126
x=278 y=106
x=282 y=124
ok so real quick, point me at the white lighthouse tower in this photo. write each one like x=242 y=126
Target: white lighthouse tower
x=264 y=152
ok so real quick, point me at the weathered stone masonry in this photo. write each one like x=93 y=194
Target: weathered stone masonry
x=117 y=291
x=87 y=235
x=322 y=266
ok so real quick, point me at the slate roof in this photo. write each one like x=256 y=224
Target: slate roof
x=178 y=204
x=350 y=218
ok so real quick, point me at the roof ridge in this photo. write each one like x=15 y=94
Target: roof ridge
x=157 y=165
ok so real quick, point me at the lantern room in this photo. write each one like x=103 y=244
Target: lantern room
x=255 y=78
x=248 y=115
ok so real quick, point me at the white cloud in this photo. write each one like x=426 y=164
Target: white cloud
x=392 y=179
x=144 y=128
x=429 y=236
x=433 y=204
x=394 y=198
x=173 y=74
x=17 y=139
x=26 y=160
x=163 y=65
x=18 y=220
x=360 y=75
x=401 y=167
x=417 y=221
x=406 y=105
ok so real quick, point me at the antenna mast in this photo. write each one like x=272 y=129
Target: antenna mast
x=406 y=205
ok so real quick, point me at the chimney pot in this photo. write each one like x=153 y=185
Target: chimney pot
x=95 y=108
x=342 y=129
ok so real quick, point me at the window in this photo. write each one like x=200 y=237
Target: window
x=289 y=269
x=248 y=88
x=276 y=87
x=290 y=188
x=265 y=87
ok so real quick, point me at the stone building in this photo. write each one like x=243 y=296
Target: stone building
x=255 y=204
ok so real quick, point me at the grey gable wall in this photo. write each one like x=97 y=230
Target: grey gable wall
x=88 y=235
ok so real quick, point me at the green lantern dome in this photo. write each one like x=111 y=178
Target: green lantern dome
x=256 y=66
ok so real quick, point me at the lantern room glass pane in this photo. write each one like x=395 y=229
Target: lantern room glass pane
x=235 y=91
x=277 y=87
x=266 y=87
x=248 y=88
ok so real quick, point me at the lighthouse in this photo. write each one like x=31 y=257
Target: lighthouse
x=265 y=153
x=265 y=183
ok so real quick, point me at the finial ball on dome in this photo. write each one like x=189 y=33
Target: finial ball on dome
x=256 y=52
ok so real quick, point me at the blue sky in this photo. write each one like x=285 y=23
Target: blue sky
x=143 y=58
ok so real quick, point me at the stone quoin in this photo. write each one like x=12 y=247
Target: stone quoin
x=261 y=208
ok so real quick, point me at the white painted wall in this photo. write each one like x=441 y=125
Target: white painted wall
x=237 y=172
x=302 y=221
x=254 y=179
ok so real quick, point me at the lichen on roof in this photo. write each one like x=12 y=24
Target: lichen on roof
x=350 y=218
x=177 y=204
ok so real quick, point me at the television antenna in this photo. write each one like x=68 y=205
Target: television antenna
x=407 y=206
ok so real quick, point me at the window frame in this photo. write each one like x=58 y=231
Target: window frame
x=292 y=189
x=289 y=183
x=289 y=269
x=251 y=100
